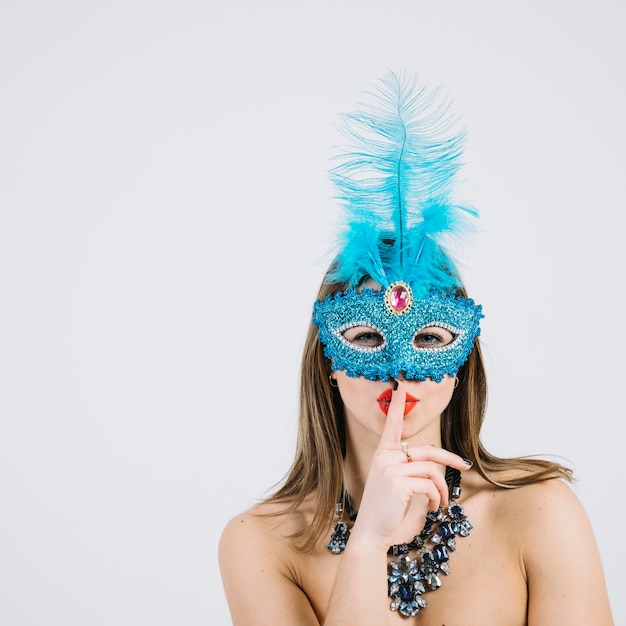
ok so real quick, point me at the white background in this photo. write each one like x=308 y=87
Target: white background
x=164 y=223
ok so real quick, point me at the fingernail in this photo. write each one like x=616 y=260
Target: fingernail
x=395 y=384
x=467 y=462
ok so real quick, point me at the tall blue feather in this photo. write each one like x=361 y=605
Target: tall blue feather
x=395 y=181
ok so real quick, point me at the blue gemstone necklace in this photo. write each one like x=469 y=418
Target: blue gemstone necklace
x=409 y=579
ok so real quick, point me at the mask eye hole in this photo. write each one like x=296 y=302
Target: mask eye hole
x=364 y=337
x=433 y=337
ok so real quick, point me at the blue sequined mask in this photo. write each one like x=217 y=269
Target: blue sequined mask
x=398 y=318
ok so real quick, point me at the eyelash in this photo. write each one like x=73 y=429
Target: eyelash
x=429 y=335
x=368 y=336
x=425 y=340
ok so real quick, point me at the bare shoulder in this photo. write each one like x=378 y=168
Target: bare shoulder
x=548 y=513
x=547 y=525
x=545 y=498
x=271 y=520
x=263 y=530
x=551 y=492
x=541 y=506
x=257 y=561
x=262 y=520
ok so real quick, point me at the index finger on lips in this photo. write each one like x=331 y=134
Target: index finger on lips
x=392 y=432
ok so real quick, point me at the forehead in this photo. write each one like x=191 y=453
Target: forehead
x=370 y=283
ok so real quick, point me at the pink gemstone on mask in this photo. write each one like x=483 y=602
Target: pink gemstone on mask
x=399 y=298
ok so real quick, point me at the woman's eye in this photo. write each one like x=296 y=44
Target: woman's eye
x=433 y=337
x=364 y=336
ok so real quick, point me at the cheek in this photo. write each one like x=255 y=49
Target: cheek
x=440 y=394
x=354 y=394
x=350 y=396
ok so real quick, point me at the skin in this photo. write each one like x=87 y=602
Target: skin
x=531 y=559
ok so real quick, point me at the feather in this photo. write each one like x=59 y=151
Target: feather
x=395 y=181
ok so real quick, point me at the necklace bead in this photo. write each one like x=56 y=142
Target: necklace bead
x=409 y=579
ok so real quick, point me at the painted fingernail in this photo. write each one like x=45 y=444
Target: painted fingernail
x=395 y=385
x=467 y=462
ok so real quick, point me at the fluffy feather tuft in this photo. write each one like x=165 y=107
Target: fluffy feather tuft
x=395 y=180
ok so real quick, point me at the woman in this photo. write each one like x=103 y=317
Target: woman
x=393 y=511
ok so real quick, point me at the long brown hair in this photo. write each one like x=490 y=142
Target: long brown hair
x=318 y=463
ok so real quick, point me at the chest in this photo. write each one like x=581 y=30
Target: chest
x=485 y=585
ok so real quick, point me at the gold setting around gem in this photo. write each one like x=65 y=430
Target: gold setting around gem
x=389 y=295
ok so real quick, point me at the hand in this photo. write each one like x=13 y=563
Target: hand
x=393 y=482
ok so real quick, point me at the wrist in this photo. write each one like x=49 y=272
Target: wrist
x=368 y=541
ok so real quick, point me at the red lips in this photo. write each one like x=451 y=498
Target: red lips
x=385 y=398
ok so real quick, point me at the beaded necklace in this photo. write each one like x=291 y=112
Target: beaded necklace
x=409 y=579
